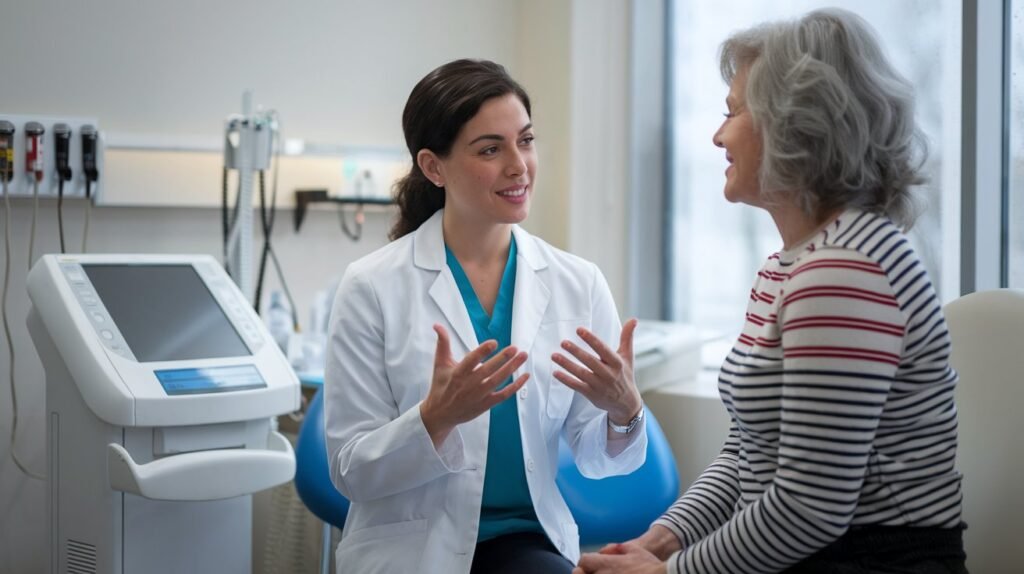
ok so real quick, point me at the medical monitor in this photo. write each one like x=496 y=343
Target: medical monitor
x=165 y=312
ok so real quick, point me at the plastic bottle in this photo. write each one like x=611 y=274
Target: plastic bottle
x=278 y=318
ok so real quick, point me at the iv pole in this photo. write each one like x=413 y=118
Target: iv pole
x=247 y=148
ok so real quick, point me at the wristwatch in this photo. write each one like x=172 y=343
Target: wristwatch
x=628 y=427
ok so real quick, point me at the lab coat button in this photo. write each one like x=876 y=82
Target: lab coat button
x=107 y=335
x=522 y=394
x=529 y=465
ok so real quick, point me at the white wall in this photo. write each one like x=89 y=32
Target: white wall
x=337 y=70
x=339 y=73
x=598 y=206
x=544 y=55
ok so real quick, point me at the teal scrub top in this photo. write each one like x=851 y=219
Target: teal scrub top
x=506 y=507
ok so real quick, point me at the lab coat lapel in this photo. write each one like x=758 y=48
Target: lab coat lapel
x=446 y=294
x=429 y=254
x=532 y=294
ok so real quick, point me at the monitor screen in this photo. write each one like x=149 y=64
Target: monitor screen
x=165 y=312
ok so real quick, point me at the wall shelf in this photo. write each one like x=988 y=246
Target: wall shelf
x=304 y=197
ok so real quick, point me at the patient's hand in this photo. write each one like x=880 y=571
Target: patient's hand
x=625 y=558
x=658 y=540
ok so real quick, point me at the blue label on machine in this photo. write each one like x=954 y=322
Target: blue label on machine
x=210 y=380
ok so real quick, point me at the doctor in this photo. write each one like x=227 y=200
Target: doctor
x=463 y=349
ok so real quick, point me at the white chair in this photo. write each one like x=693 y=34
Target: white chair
x=987 y=329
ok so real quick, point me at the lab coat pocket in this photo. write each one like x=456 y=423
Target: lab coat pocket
x=559 y=396
x=393 y=547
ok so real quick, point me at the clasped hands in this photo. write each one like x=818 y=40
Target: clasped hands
x=642 y=555
x=462 y=390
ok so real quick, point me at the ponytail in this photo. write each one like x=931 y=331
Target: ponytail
x=418 y=199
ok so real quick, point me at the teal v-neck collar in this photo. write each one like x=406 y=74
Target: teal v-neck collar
x=502 y=312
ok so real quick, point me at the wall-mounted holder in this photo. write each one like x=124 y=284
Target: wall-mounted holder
x=21 y=182
x=304 y=197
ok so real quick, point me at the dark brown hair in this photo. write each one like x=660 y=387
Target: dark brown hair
x=440 y=104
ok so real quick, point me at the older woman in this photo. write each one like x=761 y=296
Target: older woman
x=841 y=453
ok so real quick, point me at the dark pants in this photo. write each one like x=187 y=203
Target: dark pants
x=890 y=550
x=529 y=552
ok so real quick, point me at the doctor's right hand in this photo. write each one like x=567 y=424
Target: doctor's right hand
x=460 y=392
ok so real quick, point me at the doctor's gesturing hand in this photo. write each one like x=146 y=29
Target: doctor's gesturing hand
x=605 y=379
x=460 y=392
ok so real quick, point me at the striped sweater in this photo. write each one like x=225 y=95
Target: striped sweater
x=841 y=398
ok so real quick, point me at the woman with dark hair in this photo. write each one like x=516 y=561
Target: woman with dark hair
x=841 y=454
x=447 y=444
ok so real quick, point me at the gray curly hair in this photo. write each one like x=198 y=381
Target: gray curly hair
x=835 y=117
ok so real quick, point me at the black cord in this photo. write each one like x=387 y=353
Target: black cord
x=230 y=222
x=284 y=286
x=88 y=211
x=224 y=212
x=60 y=211
x=265 y=224
x=359 y=217
x=267 y=218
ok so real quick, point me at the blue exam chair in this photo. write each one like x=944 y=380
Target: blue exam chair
x=607 y=510
x=313 y=477
x=619 y=508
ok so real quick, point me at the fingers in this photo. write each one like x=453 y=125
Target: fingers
x=613 y=548
x=626 y=339
x=573 y=383
x=575 y=369
x=511 y=389
x=501 y=367
x=472 y=360
x=608 y=356
x=443 y=352
x=590 y=562
x=588 y=359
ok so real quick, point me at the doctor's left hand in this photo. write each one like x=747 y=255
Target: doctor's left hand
x=605 y=376
x=627 y=558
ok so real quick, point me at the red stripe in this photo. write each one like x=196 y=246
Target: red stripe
x=846 y=352
x=757 y=319
x=841 y=356
x=844 y=292
x=844 y=322
x=872 y=268
x=896 y=333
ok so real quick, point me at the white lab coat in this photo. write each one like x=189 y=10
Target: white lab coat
x=416 y=508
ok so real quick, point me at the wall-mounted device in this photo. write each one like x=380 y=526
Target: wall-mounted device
x=47 y=151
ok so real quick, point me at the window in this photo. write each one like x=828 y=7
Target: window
x=716 y=247
x=1015 y=199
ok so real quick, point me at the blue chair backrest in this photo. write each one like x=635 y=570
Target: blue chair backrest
x=312 y=475
x=619 y=508
x=607 y=510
